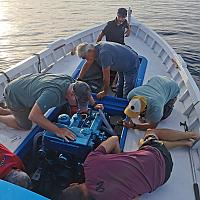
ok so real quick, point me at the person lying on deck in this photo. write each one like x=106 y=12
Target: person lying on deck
x=151 y=102
x=11 y=168
x=30 y=96
x=111 y=56
x=112 y=174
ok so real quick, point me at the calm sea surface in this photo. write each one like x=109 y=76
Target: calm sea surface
x=27 y=26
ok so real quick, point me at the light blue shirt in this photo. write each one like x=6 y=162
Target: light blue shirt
x=157 y=91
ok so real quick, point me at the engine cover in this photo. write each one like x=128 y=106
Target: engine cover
x=87 y=129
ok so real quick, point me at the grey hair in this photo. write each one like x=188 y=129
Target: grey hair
x=18 y=177
x=83 y=48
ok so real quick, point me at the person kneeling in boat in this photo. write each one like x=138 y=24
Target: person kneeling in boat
x=30 y=96
x=112 y=174
x=11 y=168
x=151 y=102
x=111 y=56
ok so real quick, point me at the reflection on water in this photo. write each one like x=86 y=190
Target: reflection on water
x=26 y=26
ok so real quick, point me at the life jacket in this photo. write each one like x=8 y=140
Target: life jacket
x=8 y=161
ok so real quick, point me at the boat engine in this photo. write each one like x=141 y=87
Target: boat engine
x=62 y=161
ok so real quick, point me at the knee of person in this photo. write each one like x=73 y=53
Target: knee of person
x=72 y=193
x=19 y=177
x=26 y=126
x=115 y=138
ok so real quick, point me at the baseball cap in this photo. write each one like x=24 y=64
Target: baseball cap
x=122 y=12
x=135 y=106
x=82 y=92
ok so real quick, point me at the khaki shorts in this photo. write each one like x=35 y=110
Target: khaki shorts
x=21 y=115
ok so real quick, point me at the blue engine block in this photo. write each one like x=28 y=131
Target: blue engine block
x=88 y=131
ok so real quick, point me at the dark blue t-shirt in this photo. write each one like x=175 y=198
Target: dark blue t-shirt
x=118 y=57
x=115 y=32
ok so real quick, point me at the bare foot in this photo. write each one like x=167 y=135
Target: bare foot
x=194 y=136
x=188 y=143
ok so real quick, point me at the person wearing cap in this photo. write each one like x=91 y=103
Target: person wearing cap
x=30 y=96
x=117 y=29
x=151 y=102
x=114 y=175
x=115 y=57
x=11 y=168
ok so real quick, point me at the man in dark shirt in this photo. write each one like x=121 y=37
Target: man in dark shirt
x=116 y=29
x=110 y=174
x=115 y=57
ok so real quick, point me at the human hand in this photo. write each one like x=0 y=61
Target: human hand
x=101 y=94
x=66 y=134
x=128 y=124
x=127 y=34
x=141 y=119
x=99 y=106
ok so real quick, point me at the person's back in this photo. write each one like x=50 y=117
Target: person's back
x=123 y=176
x=24 y=91
x=157 y=91
x=120 y=58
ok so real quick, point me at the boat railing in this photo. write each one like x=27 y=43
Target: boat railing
x=177 y=69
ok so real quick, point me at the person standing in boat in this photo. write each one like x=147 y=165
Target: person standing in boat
x=11 y=168
x=112 y=174
x=151 y=102
x=115 y=31
x=30 y=96
x=111 y=56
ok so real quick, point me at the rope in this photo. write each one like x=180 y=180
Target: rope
x=7 y=77
x=39 y=62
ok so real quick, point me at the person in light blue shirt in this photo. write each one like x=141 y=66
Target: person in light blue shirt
x=115 y=57
x=151 y=102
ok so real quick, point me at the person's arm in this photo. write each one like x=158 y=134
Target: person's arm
x=37 y=117
x=106 y=82
x=101 y=35
x=143 y=127
x=94 y=104
x=85 y=68
x=111 y=145
x=128 y=31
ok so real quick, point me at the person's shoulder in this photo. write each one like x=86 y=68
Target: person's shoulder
x=111 y=22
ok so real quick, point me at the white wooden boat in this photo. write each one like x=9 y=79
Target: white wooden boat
x=163 y=60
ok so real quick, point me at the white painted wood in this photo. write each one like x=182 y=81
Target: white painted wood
x=163 y=60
